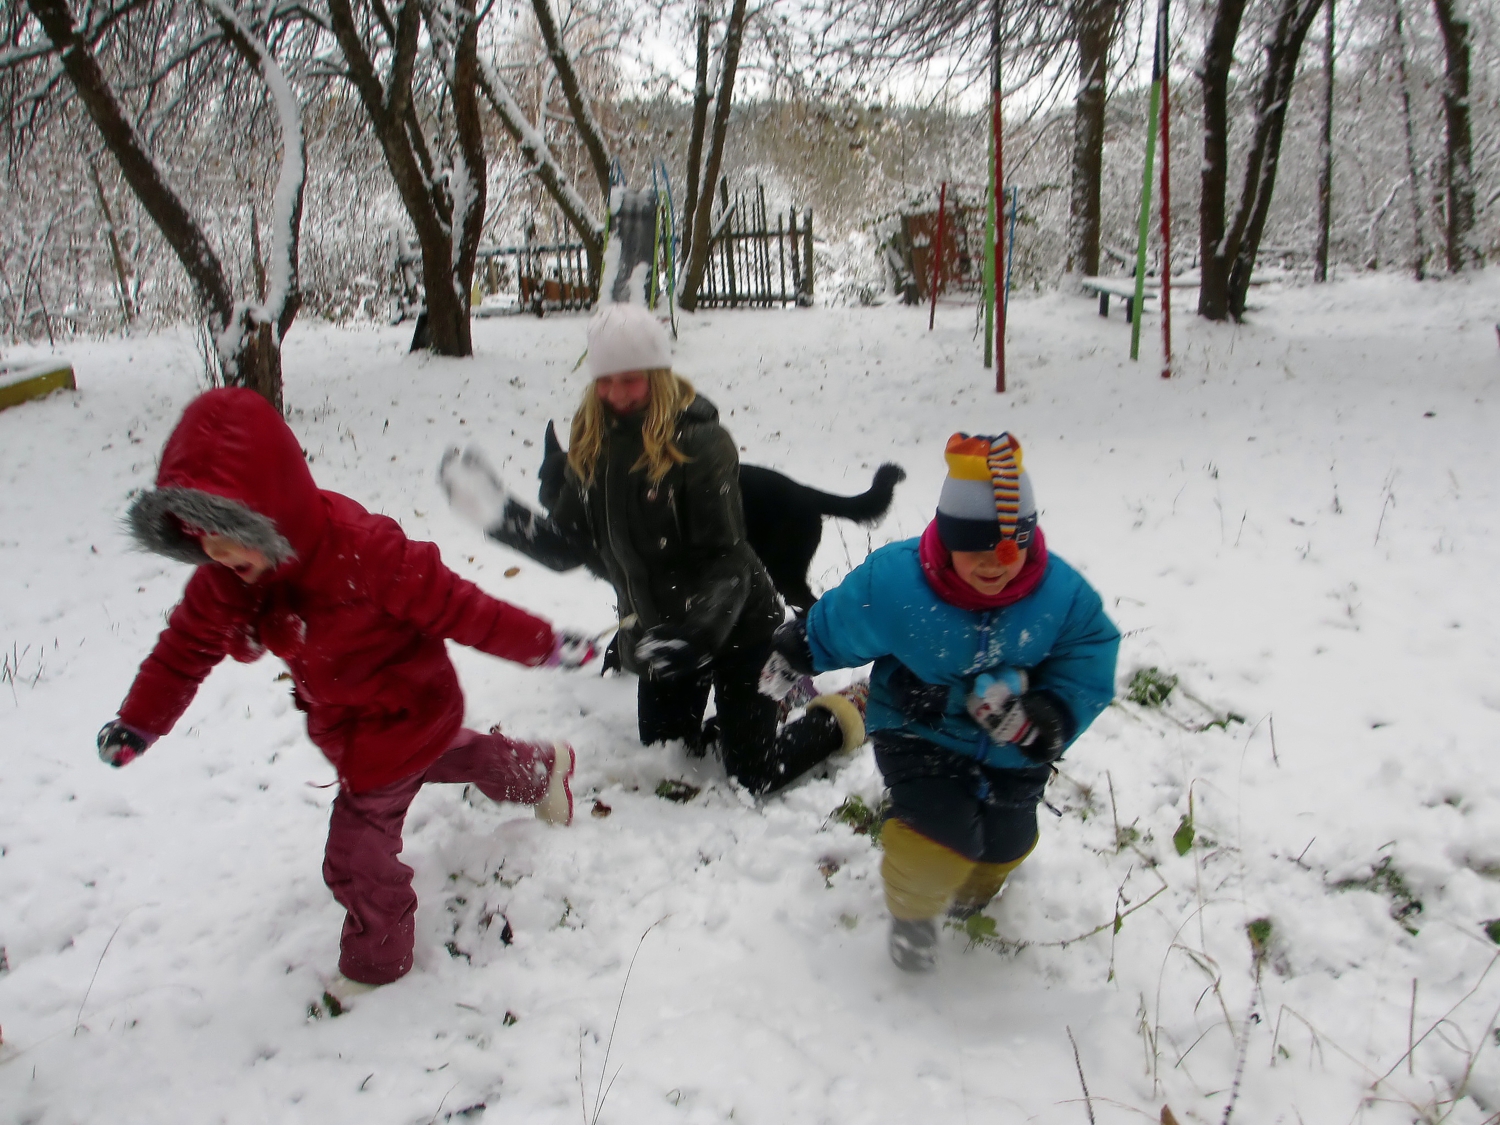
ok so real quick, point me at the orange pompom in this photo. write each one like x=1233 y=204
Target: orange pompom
x=1007 y=551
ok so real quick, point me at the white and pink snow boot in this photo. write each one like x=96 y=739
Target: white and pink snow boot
x=556 y=805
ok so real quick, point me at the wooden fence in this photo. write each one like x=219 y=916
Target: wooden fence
x=752 y=265
x=547 y=277
x=543 y=277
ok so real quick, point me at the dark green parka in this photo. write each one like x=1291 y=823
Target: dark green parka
x=675 y=551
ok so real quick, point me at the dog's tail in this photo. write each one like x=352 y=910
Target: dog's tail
x=868 y=506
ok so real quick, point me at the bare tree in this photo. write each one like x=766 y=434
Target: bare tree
x=1213 y=72
x=578 y=104
x=869 y=40
x=697 y=263
x=1228 y=249
x=1325 y=153
x=1458 y=155
x=568 y=65
x=1094 y=25
x=703 y=20
x=247 y=335
x=382 y=52
x=1413 y=170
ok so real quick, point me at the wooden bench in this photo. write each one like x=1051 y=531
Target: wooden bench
x=1123 y=287
x=33 y=380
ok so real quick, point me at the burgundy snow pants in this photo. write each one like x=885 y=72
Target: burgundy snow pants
x=364 y=839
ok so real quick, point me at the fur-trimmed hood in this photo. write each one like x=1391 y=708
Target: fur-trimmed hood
x=232 y=467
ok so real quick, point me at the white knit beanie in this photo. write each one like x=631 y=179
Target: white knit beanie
x=626 y=337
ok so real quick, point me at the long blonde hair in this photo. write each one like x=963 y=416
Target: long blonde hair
x=670 y=396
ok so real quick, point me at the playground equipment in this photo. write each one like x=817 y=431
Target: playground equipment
x=641 y=241
x=939 y=247
x=995 y=263
x=1159 y=106
x=994 y=310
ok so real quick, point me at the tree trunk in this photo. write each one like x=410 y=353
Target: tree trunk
x=470 y=177
x=698 y=263
x=1458 y=156
x=1413 y=174
x=388 y=104
x=700 y=126
x=1264 y=158
x=116 y=255
x=280 y=294
x=1093 y=31
x=1325 y=155
x=1218 y=57
x=1228 y=250
x=583 y=118
x=260 y=363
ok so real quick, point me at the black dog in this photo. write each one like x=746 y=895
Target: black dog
x=783 y=519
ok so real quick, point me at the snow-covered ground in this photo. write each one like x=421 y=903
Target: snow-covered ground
x=1302 y=526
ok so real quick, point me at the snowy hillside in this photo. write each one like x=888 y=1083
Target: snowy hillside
x=1302 y=527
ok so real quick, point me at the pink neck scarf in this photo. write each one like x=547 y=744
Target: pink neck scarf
x=937 y=567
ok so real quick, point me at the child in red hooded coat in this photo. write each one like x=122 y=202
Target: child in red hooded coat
x=359 y=612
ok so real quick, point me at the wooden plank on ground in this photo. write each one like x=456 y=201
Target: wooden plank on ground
x=33 y=380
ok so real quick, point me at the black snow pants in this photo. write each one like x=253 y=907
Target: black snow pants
x=755 y=754
x=983 y=814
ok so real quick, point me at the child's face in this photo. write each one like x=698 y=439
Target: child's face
x=625 y=393
x=984 y=571
x=245 y=561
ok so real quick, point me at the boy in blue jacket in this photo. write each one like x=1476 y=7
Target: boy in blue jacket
x=991 y=656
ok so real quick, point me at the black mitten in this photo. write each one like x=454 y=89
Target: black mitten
x=916 y=699
x=790 y=640
x=670 y=652
x=1050 y=727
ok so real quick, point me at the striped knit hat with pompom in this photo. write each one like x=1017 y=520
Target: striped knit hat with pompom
x=986 y=503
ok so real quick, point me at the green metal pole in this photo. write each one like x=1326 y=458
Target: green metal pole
x=1145 y=223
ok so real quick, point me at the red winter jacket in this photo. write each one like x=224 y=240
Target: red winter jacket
x=357 y=610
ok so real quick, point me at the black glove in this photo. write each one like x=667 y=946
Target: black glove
x=790 y=640
x=611 y=661
x=790 y=664
x=119 y=745
x=671 y=652
x=1044 y=725
x=915 y=698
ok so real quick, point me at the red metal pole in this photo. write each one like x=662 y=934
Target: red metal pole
x=1166 y=204
x=937 y=257
x=999 y=295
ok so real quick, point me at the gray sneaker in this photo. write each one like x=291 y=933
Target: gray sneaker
x=913 y=945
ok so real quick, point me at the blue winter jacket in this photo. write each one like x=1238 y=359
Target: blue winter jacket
x=886 y=611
